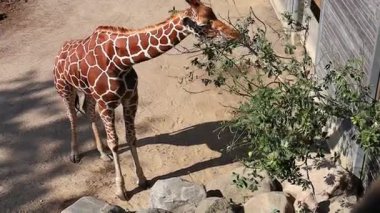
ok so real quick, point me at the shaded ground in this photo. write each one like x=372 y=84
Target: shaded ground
x=175 y=128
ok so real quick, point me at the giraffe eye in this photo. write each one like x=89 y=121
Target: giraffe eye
x=190 y=23
x=187 y=21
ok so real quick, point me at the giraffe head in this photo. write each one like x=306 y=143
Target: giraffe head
x=202 y=21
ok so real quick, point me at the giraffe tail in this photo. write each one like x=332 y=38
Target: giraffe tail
x=79 y=105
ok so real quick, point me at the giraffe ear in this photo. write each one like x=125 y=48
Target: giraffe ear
x=194 y=3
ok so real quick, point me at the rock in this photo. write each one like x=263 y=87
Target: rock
x=214 y=205
x=305 y=200
x=267 y=184
x=113 y=209
x=91 y=204
x=172 y=193
x=269 y=202
x=329 y=181
x=339 y=205
x=153 y=211
x=333 y=182
x=187 y=208
x=225 y=184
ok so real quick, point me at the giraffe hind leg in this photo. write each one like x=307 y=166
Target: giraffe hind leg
x=68 y=94
x=89 y=107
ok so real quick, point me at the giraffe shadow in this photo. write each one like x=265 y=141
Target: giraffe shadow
x=34 y=142
x=205 y=133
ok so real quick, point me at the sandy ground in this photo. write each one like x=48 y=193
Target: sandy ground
x=175 y=128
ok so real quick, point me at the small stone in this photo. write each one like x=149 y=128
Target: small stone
x=172 y=193
x=352 y=199
x=214 y=205
x=269 y=202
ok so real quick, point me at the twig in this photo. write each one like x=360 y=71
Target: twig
x=187 y=51
x=198 y=92
x=226 y=106
x=307 y=173
x=254 y=15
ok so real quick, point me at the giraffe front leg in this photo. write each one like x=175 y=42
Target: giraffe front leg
x=129 y=108
x=99 y=145
x=108 y=118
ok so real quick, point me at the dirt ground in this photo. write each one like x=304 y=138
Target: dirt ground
x=175 y=129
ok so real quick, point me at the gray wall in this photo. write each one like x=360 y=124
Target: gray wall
x=349 y=29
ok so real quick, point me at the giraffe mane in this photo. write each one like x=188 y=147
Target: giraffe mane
x=117 y=29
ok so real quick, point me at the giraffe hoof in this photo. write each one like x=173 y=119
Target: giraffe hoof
x=74 y=158
x=106 y=158
x=122 y=195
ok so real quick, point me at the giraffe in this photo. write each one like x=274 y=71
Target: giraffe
x=101 y=67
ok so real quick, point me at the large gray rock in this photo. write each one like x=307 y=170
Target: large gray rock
x=214 y=205
x=92 y=205
x=230 y=191
x=172 y=193
x=153 y=211
x=269 y=202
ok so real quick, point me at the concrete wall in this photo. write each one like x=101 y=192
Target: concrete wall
x=281 y=6
x=299 y=9
x=313 y=37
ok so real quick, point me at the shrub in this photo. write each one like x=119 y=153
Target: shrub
x=285 y=106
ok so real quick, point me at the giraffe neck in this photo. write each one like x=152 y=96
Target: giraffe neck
x=133 y=47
